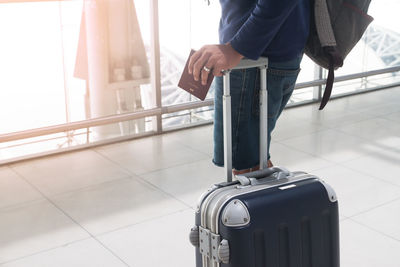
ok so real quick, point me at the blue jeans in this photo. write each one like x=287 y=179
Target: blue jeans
x=245 y=86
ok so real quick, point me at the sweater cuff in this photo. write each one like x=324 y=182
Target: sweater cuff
x=241 y=49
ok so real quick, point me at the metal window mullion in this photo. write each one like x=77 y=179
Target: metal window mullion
x=318 y=75
x=70 y=135
x=155 y=61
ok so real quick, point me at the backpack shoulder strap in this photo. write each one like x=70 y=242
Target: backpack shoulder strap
x=323 y=23
x=327 y=39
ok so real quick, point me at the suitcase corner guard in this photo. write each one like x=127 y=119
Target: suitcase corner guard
x=331 y=193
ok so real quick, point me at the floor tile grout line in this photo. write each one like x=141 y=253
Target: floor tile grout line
x=72 y=219
x=374 y=208
x=151 y=171
x=301 y=135
x=143 y=222
x=373 y=177
x=374 y=230
x=128 y=177
x=173 y=167
x=367 y=174
x=110 y=250
x=194 y=149
x=44 y=251
x=308 y=153
x=140 y=178
x=11 y=169
x=20 y=204
x=81 y=189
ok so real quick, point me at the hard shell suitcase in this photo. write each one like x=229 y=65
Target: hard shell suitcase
x=267 y=218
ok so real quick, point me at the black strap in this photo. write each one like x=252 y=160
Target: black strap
x=328 y=86
x=335 y=61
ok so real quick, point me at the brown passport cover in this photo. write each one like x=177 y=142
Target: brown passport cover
x=195 y=88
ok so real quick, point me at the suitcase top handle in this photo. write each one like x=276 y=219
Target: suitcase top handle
x=253 y=178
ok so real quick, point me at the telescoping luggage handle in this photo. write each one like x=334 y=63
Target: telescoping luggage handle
x=262 y=64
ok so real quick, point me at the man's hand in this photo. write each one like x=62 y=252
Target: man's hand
x=215 y=58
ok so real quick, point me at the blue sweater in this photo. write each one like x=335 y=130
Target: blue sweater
x=277 y=29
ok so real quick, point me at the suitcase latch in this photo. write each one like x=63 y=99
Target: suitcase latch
x=209 y=244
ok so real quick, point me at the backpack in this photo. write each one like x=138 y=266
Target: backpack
x=335 y=28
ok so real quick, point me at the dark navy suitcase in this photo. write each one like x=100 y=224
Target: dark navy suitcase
x=267 y=218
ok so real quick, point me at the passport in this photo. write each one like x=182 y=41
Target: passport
x=193 y=87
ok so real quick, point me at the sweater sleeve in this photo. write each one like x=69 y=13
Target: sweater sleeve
x=261 y=27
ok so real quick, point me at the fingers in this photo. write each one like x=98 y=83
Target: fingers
x=199 y=64
x=204 y=75
x=210 y=57
x=218 y=70
x=209 y=65
x=196 y=55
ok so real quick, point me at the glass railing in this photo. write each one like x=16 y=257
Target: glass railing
x=82 y=73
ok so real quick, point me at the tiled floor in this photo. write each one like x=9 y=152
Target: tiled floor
x=131 y=204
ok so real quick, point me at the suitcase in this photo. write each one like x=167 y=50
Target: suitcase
x=267 y=218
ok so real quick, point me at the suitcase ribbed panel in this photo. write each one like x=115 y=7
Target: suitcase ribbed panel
x=259 y=248
x=284 y=253
x=306 y=251
x=287 y=244
x=327 y=237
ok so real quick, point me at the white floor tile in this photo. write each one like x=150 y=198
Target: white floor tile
x=295 y=160
x=68 y=172
x=109 y=206
x=161 y=242
x=383 y=109
x=335 y=109
x=381 y=164
x=357 y=192
x=346 y=119
x=150 y=154
x=286 y=129
x=361 y=246
x=14 y=190
x=391 y=95
x=385 y=219
x=363 y=102
x=330 y=145
x=198 y=138
x=393 y=117
x=34 y=227
x=187 y=182
x=377 y=130
x=86 y=253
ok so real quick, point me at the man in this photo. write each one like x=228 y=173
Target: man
x=277 y=29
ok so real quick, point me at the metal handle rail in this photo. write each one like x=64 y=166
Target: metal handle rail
x=262 y=64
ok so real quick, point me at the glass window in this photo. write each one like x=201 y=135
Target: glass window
x=69 y=61
x=379 y=48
